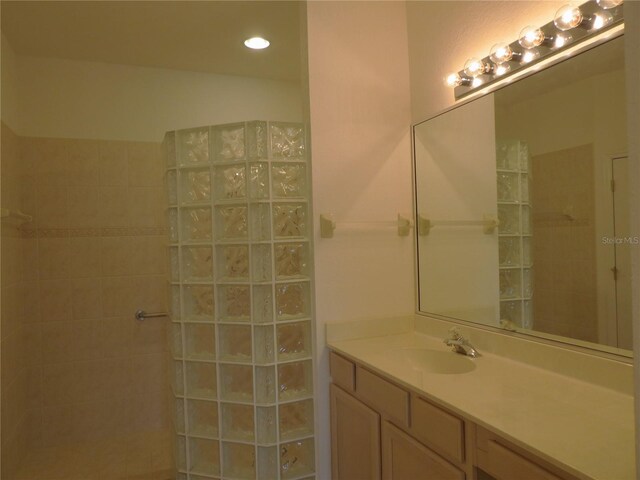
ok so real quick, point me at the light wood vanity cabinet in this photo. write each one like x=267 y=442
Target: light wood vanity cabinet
x=380 y=430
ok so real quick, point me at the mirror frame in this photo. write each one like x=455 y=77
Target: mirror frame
x=607 y=351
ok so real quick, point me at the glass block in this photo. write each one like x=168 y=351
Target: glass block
x=526 y=220
x=509 y=251
x=287 y=141
x=195 y=186
x=268 y=462
x=172 y=187
x=266 y=424
x=510 y=283
x=259 y=181
x=525 y=158
x=232 y=262
x=527 y=256
x=196 y=225
x=527 y=320
x=182 y=476
x=265 y=385
x=237 y=422
x=507 y=155
x=204 y=455
x=289 y=180
x=201 y=477
x=177 y=379
x=172 y=221
x=262 y=304
x=260 y=222
x=297 y=459
x=294 y=340
x=178 y=418
x=181 y=453
x=229 y=142
x=508 y=187
x=201 y=379
x=231 y=222
x=236 y=382
x=292 y=300
x=524 y=188
x=193 y=146
x=169 y=145
x=296 y=419
x=261 y=263
x=527 y=283
x=234 y=303
x=257 y=140
x=509 y=217
x=174 y=265
x=200 y=341
x=174 y=300
x=197 y=264
x=230 y=182
x=289 y=220
x=263 y=344
x=511 y=311
x=294 y=380
x=176 y=340
x=198 y=303
x=239 y=461
x=292 y=260
x=203 y=418
x=235 y=343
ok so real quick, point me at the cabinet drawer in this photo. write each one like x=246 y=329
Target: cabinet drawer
x=383 y=396
x=342 y=372
x=438 y=429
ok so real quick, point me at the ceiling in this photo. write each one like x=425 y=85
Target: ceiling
x=184 y=35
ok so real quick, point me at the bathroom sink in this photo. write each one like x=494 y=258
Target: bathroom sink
x=437 y=361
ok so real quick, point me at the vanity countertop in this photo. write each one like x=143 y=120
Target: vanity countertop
x=586 y=429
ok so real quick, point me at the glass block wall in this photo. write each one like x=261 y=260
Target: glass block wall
x=515 y=233
x=240 y=293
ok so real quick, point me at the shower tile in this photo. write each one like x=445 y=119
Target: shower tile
x=204 y=456
x=239 y=461
x=197 y=264
x=201 y=380
x=196 y=225
x=294 y=340
x=203 y=418
x=292 y=300
x=287 y=141
x=235 y=343
x=297 y=459
x=257 y=140
x=262 y=304
x=268 y=462
x=292 y=260
x=232 y=262
x=200 y=341
x=234 y=303
x=260 y=222
x=237 y=422
x=296 y=419
x=231 y=222
x=195 y=186
x=236 y=383
x=193 y=146
x=290 y=220
x=265 y=385
x=289 y=180
x=263 y=342
x=266 y=425
x=259 y=181
x=229 y=142
x=261 y=263
x=294 y=380
x=171 y=182
x=230 y=182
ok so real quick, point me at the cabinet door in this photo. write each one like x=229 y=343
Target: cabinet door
x=404 y=458
x=355 y=438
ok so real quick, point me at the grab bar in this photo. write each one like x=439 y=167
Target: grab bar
x=141 y=315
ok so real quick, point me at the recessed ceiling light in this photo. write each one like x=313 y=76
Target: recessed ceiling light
x=257 y=43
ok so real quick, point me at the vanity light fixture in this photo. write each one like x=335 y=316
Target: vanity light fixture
x=537 y=43
x=257 y=43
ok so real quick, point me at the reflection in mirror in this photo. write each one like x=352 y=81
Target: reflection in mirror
x=547 y=156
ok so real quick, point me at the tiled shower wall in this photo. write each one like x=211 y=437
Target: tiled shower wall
x=239 y=227
x=93 y=255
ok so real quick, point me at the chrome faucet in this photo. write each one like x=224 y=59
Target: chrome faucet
x=460 y=344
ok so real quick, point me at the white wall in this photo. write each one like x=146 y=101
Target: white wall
x=9 y=85
x=360 y=116
x=74 y=99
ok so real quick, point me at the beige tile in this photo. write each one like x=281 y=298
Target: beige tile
x=114 y=211
x=87 y=343
x=116 y=336
x=117 y=256
x=119 y=298
x=59 y=385
x=55 y=300
x=146 y=206
x=145 y=164
x=50 y=157
x=30 y=302
x=87 y=298
x=113 y=164
x=149 y=336
x=148 y=374
x=85 y=257
x=32 y=344
x=30 y=258
x=83 y=163
x=54 y=258
x=84 y=207
x=52 y=207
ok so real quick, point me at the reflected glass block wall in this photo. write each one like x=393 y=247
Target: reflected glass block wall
x=239 y=255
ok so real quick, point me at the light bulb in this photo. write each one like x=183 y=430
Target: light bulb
x=502 y=69
x=453 y=80
x=568 y=17
x=607 y=4
x=531 y=37
x=476 y=82
x=530 y=55
x=474 y=67
x=561 y=39
x=500 y=53
x=256 y=43
x=601 y=19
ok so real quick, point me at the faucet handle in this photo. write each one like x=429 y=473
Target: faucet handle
x=454 y=334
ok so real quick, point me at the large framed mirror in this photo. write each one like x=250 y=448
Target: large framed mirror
x=522 y=203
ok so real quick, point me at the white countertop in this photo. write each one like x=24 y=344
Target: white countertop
x=583 y=428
